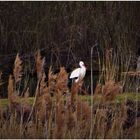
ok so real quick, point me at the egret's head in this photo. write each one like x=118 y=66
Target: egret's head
x=81 y=63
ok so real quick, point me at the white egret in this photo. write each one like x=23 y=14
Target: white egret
x=79 y=73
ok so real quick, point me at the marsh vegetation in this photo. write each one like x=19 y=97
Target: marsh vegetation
x=42 y=42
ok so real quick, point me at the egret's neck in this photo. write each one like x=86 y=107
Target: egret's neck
x=83 y=67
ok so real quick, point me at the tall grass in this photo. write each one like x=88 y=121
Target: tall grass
x=58 y=112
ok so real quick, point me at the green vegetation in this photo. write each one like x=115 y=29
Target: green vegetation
x=119 y=98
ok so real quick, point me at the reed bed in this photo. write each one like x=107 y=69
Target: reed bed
x=58 y=112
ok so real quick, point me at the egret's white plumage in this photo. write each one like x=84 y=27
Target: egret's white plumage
x=79 y=73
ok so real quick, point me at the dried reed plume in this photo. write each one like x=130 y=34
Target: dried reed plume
x=83 y=116
x=100 y=123
x=62 y=80
x=39 y=64
x=52 y=78
x=60 y=120
x=43 y=100
x=12 y=97
x=70 y=117
x=97 y=92
x=74 y=90
x=61 y=83
x=119 y=117
x=109 y=65
x=26 y=95
x=98 y=89
x=18 y=69
x=110 y=90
